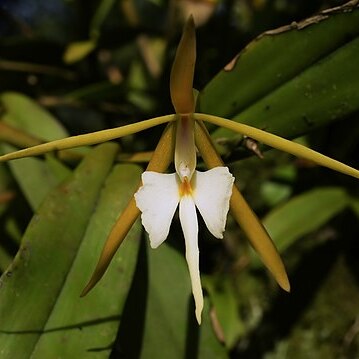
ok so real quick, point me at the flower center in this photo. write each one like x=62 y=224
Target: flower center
x=185 y=188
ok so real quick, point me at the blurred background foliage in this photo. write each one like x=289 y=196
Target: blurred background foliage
x=69 y=67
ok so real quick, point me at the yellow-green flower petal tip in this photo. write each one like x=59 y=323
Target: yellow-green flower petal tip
x=181 y=81
x=280 y=144
x=88 y=139
x=113 y=242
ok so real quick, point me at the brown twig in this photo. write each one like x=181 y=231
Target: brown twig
x=37 y=68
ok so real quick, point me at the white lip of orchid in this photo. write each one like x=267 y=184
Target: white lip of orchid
x=158 y=199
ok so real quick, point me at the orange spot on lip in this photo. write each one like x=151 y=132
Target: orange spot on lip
x=185 y=187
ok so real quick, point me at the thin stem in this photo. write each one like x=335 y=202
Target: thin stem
x=36 y=68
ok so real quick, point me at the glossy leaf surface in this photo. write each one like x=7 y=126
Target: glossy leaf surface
x=165 y=309
x=55 y=240
x=303 y=214
x=291 y=80
x=36 y=177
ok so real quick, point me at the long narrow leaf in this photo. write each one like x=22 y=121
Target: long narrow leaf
x=101 y=311
x=292 y=79
x=30 y=287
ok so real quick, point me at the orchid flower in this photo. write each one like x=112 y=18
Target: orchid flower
x=212 y=192
x=209 y=191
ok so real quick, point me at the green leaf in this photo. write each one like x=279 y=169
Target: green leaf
x=304 y=214
x=76 y=51
x=99 y=17
x=273 y=193
x=168 y=296
x=209 y=346
x=161 y=320
x=354 y=205
x=36 y=177
x=100 y=311
x=22 y=112
x=25 y=114
x=59 y=170
x=293 y=79
x=31 y=287
x=225 y=303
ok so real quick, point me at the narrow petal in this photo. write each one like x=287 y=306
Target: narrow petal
x=181 y=81
x=259 y=238
x=280 y=143
x=243 y=214
x=157 y=199
x=114 y=240
x=161 y=158
x=211 y=193
x=188 y=218
x=87 y=139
